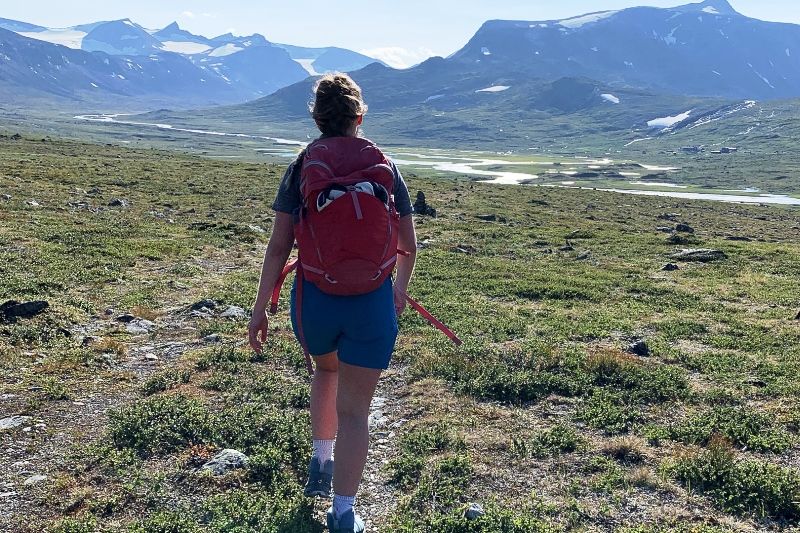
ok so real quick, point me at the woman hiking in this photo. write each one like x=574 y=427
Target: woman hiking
x=349 y=211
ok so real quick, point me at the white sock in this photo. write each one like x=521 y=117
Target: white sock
x=323 y=450
x=342 y=504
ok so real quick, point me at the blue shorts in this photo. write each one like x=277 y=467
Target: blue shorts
x=363 y=328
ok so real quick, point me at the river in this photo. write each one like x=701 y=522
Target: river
x=443 y=161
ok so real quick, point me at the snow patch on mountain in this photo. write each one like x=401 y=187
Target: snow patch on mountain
x=65 y=37
x=99 y=46
x=494 y=89
x=225 y=50
x=308 y=64
x=668 y=122
x=185 y=47
x=610 y=98
x=579 y=22
x=757 y=73
x=710 y=9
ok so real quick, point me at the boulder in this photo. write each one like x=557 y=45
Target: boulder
x=118 y=202
x=670 y=267
x=140 y=327
x=639 y=347
x=207 y=303
x=684 y=228
x=701 y=255
x=234 y=312
x=421 y=206
x=12 y=309
x=676 y=238
x=487 y=218
x=12 y=422
x=224 y=462
x=797 y=317
x=35 y=480
x=474 y=511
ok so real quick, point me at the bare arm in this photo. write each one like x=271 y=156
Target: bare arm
x=278 y=250
x=407 y=242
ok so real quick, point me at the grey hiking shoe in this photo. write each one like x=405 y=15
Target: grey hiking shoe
x=349 y=522
x=319 y=478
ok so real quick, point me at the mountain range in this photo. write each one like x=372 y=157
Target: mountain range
x=634 y=72
x=703 y=49
x=103 y=61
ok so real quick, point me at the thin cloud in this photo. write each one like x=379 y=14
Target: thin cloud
x=399 y=57
x=188 y=14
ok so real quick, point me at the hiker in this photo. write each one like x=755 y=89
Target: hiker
x=343 y=314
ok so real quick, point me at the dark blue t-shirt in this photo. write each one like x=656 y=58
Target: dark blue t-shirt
x=289 y=198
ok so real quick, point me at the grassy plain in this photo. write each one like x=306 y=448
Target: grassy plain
x=542 y=416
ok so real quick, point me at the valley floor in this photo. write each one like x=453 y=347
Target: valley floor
x=553 y=416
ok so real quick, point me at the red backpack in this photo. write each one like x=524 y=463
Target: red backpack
x=348 y=225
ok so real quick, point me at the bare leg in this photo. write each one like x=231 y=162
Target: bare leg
x=324 y=421
x=356 y=388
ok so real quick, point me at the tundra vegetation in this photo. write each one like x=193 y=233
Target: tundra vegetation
x=596 y=390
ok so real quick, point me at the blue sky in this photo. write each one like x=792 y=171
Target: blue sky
x=401 y=32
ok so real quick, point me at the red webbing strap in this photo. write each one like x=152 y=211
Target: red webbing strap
x=298 y=307
x=276 y=292
x=432 y=319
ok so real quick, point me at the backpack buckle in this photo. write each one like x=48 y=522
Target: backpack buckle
x=329 y=279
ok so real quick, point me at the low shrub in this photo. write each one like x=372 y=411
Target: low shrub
x=608 y=411
x=742 y=426
x=555 y=441
x=161 y=423
x=165 y=380
x=744 y=487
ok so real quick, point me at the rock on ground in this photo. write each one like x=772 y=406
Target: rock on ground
x=34 y=480
x=640 y=348
x=225 y=461
x=12 y=422
x=702 y=255
x=13 y=309
x=207 y=304
x=421 y=206
x=474 y=511
x=234 y=312
x=140 y=327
